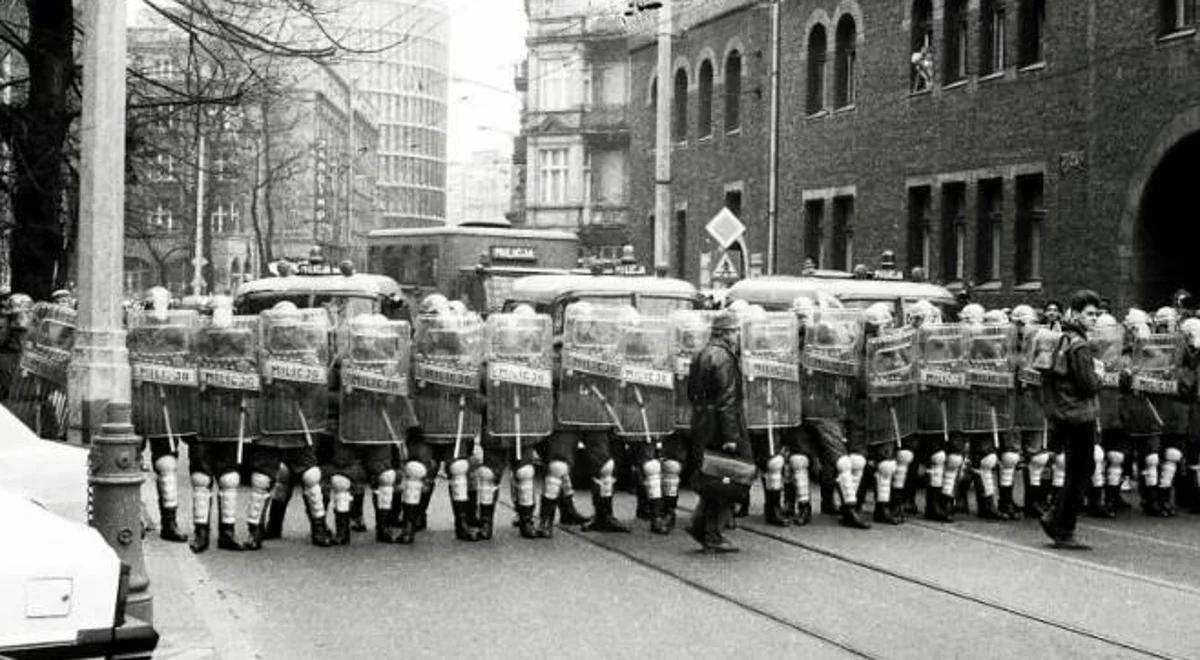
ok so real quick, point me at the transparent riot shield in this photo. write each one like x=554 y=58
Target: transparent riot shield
x=374 y=380
x=942 y=379
x=771 y=370
x=1109 y=343
x=647 y=388
x=520 y=395
x=38 y=397
x=831 y=364
x=1028 y=413
x=891 y=386
x=589 y=386
x=691 y=328
x=991 y=378
x=295 y=399
x=165 y=390
x=1154 y=361
x=447 y=367
x=230 y=383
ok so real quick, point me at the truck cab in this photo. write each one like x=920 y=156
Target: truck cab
x=776 y=292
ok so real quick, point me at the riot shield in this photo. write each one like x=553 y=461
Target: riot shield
x=165 y=389
x=520 y=391
x=230 y=384
x=591 y=366
x=1109 y=344
x=295 y=397
x=39 y=396
x=374 y=377
x=991 y=378
x=1032 y=341
x=647 y=388
x=831 y=363
x=692 y=328
x=942 y=378
x=447 y=364
x=771 y=370
x=1154 y=361
x=891 y=385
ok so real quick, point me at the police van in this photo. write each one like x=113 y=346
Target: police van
x=777 y=292
x=344 y=293
x=653 y=296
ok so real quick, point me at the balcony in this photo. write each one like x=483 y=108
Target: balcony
x=521 y=76
x=608 y=121
x=575 y=29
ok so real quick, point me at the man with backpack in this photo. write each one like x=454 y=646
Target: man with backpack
x=1070 y=385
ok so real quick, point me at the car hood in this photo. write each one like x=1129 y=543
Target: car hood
x=51 y=473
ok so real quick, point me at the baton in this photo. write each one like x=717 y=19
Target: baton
x=1045 y=433
x=1154 y=411
x=462 y=401
x=995 y=429
x=612 y=414
x=895 y=425
x=770 y=421
x=37 y=417
x=387 y=423
x=945 y=423
x=637 y=393
x=162 y=398
x=517 y=421
x=241 y=428
x=304 y=425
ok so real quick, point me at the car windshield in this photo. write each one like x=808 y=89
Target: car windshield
x=656 y=306
x=342 y=306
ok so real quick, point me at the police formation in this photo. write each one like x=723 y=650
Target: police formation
x=867 y=404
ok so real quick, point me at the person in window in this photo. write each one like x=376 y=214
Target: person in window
x=1069 y=390
x=922 y=63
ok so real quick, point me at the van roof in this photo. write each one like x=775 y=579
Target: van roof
x=783 y=289
x=546 y=288
x=459 y=230
x=359 y=284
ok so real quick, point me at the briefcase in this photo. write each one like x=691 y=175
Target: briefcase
x=727 y=469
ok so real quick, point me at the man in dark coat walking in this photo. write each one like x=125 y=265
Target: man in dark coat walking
x=718 y=429
x=1069 y=390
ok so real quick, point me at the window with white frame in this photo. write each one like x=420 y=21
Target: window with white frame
x=164 y=168
x=553 y=84
x=552 y=175
x=954 y=231
x=1031 y=216
x=225 y=218
x=993 y=37
x=989 y=230
x=161 y=217
x=1177 y=15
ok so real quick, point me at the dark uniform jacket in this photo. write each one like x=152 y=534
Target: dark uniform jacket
x=715 y=392
x=1070 y=386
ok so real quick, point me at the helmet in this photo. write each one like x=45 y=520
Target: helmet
x=726 y=320
x=920 y=313
x=878 y=314
x=18 y=302
x=1024 y=314
x=753 y=313
x=456 y=307
x=972 y=313
x=738 y=306
x=804 y=308
x=1191 y=331
x=1106 y=321
x=1166 y=317
x=434 y=303
x=284 y=306
x=995 y=317
x=523 y=310
x=1136 y=316
x=366 y=320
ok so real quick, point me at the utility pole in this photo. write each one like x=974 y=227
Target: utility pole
x=198 y=261
x=99 y=371
x=773 y=147
x=662 y=144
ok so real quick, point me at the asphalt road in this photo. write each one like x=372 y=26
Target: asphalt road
x=920 y=590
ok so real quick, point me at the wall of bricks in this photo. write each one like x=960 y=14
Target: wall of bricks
x=1111 y=98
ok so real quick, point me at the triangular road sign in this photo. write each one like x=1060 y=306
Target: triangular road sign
x=725 y=269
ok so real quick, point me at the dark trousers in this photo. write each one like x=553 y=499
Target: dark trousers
x=1078 y=441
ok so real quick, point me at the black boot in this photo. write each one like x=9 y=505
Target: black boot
x=669 y=504
x=803 y=513
x=463 y=529
x=985 y=505
x=387 y=525
x=487 y=514
x=828 y=505
x=1149 y=496
x=568 y=514
x=773 y=510
x=789 y=501
x=420 y=521
x=525 y=522
x=1097 y=507
x=961 y=492
x=227 y=538
x=1166 y=507
x=357 y=524
x=545 y=523
x=851 y=517
x=910 y=492
x=658 y=524
x=408 y=523
x=604 y=521
x=1034 y=497
x=200 y=538
x=644 y=506
x=255 y=532
x=1008 y=508
x=273 y=527
x=885 y=512
x=1112 y=499
x=341 y=526
x=170 y=526
x=318 y=532
x=935 y=506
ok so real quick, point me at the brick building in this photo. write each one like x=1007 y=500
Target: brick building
x=1020 y=147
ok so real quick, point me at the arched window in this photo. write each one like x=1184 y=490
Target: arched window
x=921 y=59
x=733 y=91
x=844 y=61
x=1032 y=17
x=137 y=276
x=705 y=92
x=816 y=70
x=679 y=111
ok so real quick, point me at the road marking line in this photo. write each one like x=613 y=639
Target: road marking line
x=1141 y=537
